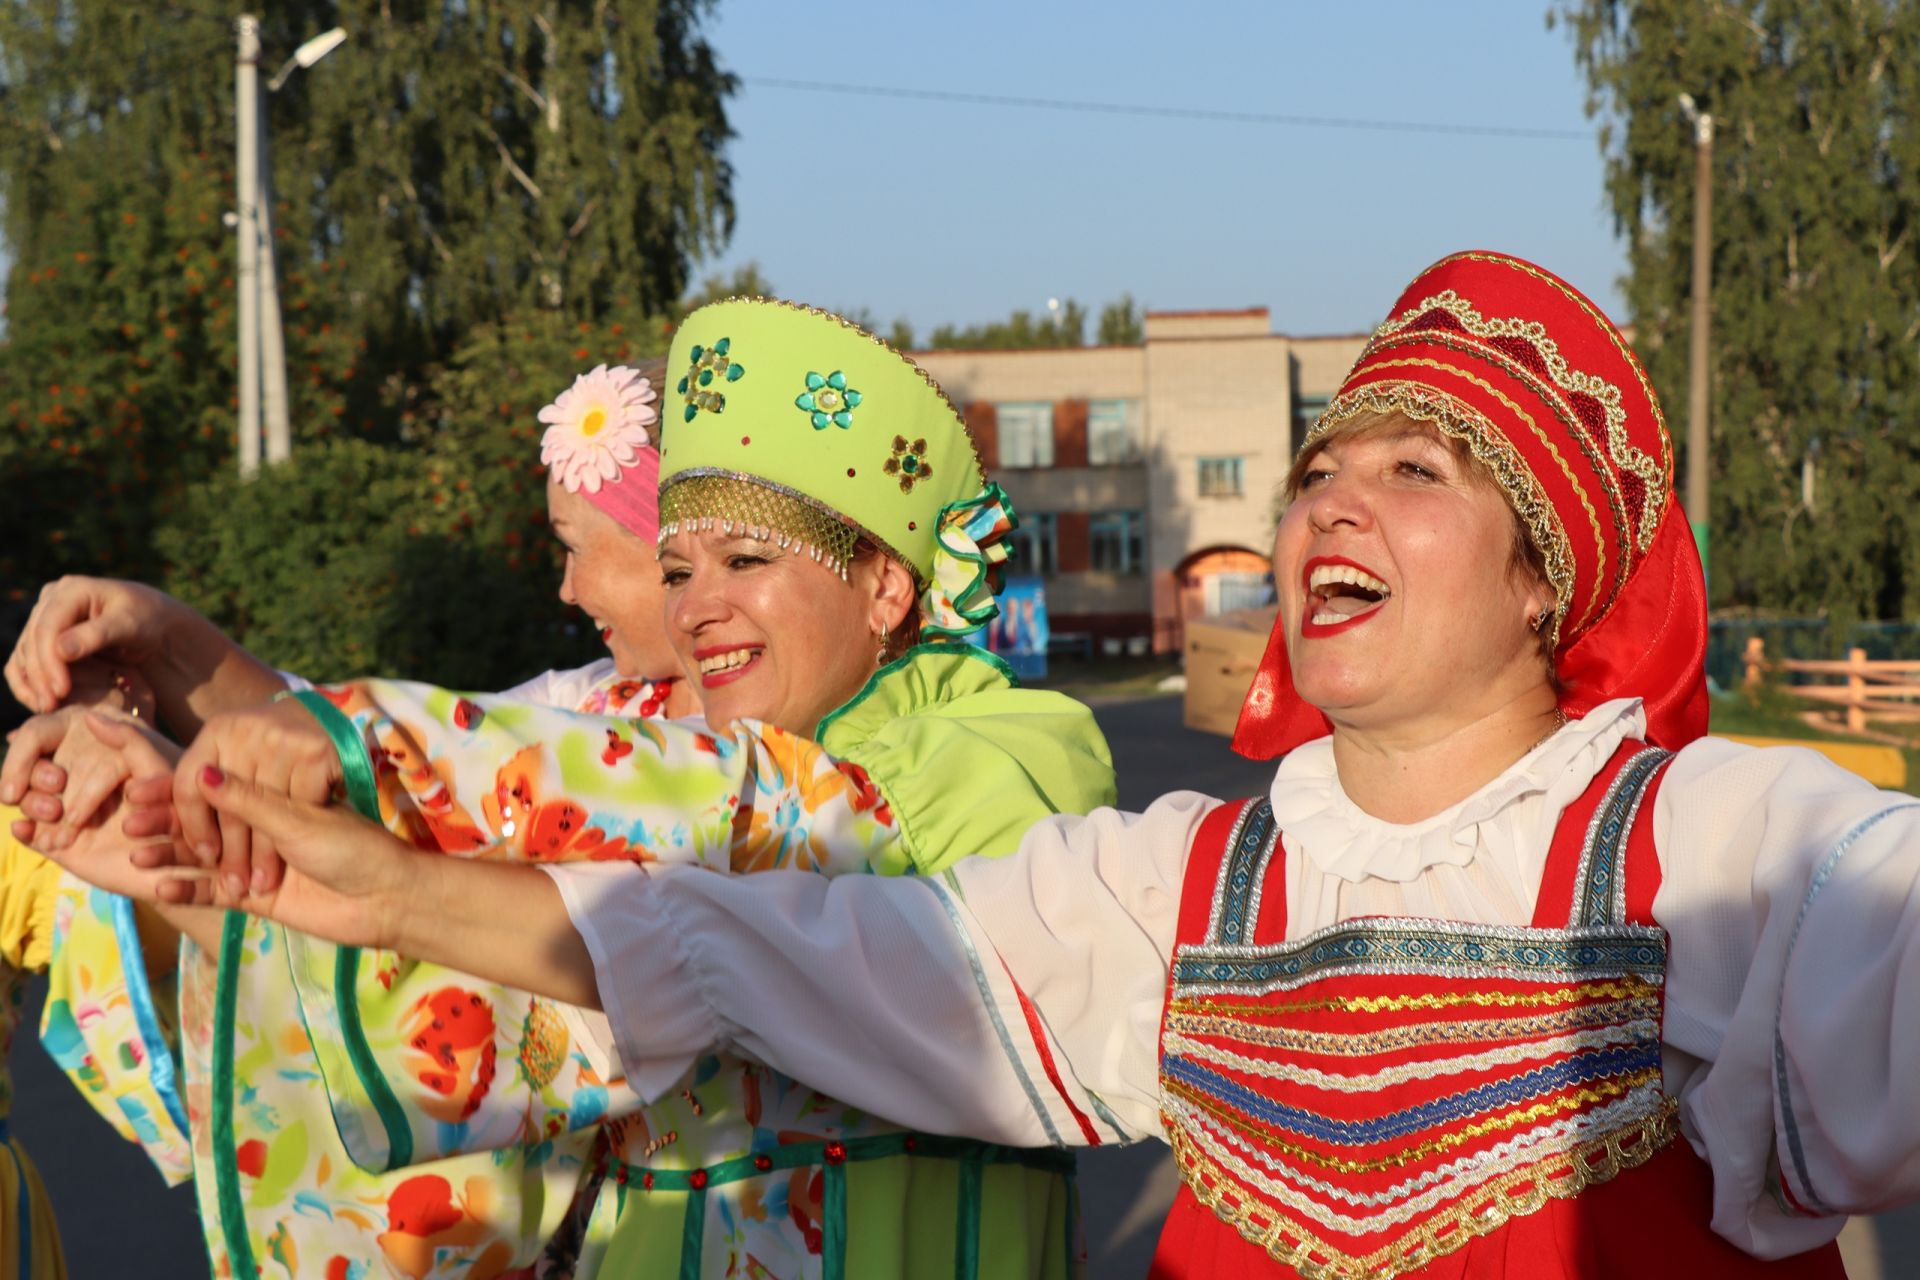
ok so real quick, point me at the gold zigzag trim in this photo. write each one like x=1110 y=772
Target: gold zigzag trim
x=1626 y=988
x=1355 y=1044
x=1561 y=1176
x=1239 y=1122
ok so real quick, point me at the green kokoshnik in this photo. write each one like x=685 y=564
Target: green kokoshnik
x=803 y=428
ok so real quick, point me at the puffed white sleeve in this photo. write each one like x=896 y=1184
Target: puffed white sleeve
x=1790 y=892
x=1013 y=999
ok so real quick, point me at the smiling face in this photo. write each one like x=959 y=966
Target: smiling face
x=612 y=575
x=1395 y=566
x=771 y=634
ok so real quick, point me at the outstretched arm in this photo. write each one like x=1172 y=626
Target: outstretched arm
x=1790 y=890
x=351 y=882
x=193 y=668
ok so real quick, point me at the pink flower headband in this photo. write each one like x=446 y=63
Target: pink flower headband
x=596 y=444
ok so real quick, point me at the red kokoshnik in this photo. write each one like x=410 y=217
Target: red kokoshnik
x=1545 y=391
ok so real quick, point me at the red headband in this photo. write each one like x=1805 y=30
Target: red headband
x=1518 y=364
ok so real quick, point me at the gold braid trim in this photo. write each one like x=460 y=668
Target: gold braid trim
x=1466 y=424
x=1354 y=1044
x=1613 y=335
x=1603 y=1091
x=1487 y=1208
x=1627 y=988
x=1653 y=473
x=742 y=504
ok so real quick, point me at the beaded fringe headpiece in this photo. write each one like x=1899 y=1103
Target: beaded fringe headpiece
x=702 y=500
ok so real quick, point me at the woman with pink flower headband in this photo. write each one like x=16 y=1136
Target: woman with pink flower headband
x=603 y=507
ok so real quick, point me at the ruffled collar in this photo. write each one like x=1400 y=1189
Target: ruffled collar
x=925 y=675
x=1336 y=835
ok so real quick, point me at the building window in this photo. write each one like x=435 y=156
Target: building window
x=1116 y=542
x=1306 y=412
x=1025 y=435
x=1113 y=433
x=1221 y=477
x=1035 y=545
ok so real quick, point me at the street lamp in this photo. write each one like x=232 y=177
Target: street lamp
x=263 y=358
x=1698 y=424
x=308 y=54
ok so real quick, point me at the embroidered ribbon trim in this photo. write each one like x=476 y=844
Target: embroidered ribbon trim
x=357 y=766
x=1517 y=1194
x=969 y=541
x=226 y=1160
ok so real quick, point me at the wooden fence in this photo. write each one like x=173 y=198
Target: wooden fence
x=1877 y=690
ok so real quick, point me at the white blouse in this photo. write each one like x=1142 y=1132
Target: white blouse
x=1019 y=1000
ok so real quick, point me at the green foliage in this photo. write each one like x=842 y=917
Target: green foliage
x=1067 y=328
x=1816 y=295
x=475 y=202
x=332 y=569
x=747 y=281
x=1121 y=324
x=429 y=555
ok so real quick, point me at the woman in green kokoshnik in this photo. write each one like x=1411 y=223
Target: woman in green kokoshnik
x=827 y=536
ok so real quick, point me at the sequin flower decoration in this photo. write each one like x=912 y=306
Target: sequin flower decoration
x=829 y=400
x=709 y=365
x=597 y=426
x=908 y=463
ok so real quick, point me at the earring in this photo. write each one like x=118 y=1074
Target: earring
x=1541 y=620
x=880 y=652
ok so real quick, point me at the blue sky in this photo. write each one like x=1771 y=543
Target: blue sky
x=941 y=212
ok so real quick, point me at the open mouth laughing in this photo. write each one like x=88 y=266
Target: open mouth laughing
x=1341 y=593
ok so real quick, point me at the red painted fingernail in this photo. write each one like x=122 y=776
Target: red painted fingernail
x=212 y=776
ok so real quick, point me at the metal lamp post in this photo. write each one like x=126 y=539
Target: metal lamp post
x=263 y=359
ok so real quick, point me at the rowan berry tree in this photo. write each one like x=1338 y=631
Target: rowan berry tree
x=456 y=184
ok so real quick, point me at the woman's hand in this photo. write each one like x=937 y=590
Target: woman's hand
x=100 y=852
x=280 y=748
x=60 y=774
x=345 y=880
x=78 y=618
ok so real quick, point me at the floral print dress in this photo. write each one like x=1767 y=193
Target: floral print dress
x=355 y=1114
x=732 y=1169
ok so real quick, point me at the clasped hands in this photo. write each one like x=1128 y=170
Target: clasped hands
x=240 y=819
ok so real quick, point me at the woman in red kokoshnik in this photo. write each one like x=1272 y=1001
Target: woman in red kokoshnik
x=1513 y=971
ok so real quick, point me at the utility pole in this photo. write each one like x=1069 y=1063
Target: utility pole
x=273 y=345
x=1698 y=373
x=263 y=353
x=247 y=208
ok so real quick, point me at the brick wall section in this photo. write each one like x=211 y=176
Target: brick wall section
x=983 y=424
x=1070 y=433
x=1072 y=528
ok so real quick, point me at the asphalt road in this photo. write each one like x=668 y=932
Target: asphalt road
x=119 y=1221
